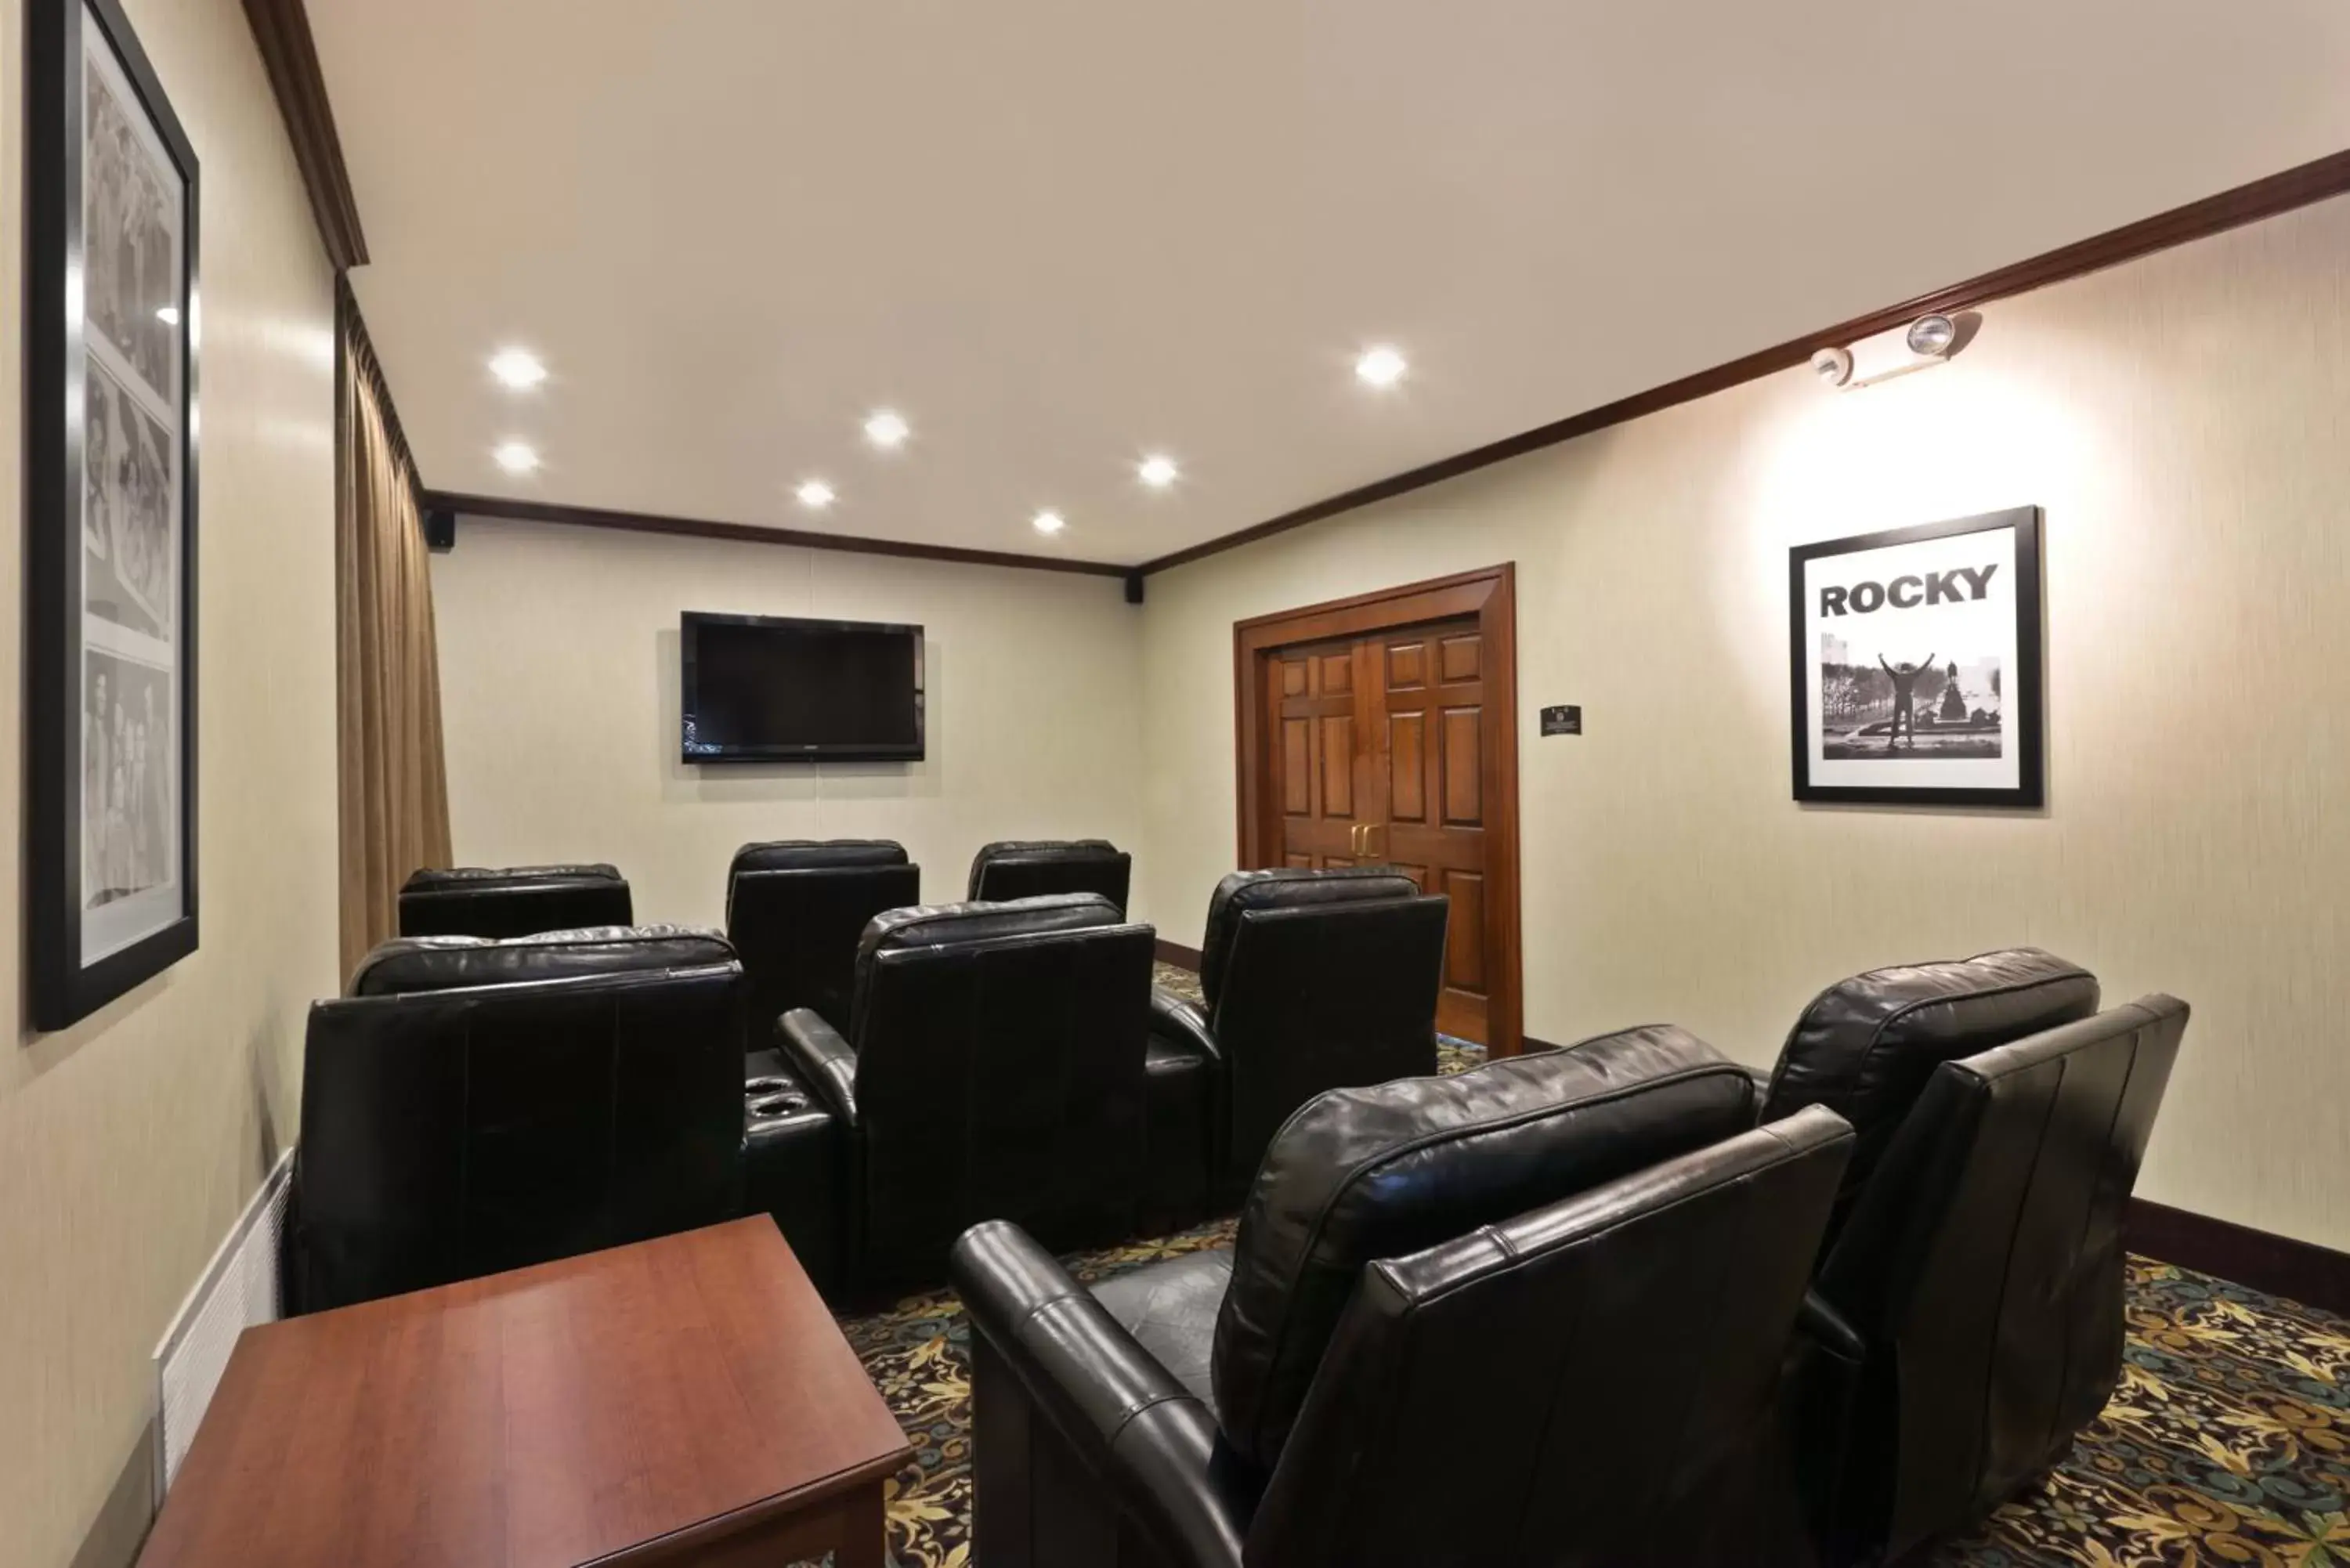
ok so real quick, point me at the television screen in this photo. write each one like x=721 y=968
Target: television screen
x=759 y=688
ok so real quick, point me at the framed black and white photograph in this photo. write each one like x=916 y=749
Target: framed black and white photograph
x=110 y=520
x=1917 y=664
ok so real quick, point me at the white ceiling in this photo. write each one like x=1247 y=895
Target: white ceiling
x=1059 y=234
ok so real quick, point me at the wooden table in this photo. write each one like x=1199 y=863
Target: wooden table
x=685 y=1400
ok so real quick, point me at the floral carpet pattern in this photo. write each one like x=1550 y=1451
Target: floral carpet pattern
x=2226 y=1444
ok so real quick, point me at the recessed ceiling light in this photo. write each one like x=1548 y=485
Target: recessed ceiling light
x=169 y=314
x=884 y=428
x=515 y=457
x=1381 y=366
x=517 y=368
x=1049 y=522
x=815 y=494
x=1158 y=471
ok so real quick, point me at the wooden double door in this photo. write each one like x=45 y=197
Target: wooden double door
x=1381 y=744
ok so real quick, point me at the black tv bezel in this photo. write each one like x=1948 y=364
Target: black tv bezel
x=690 y=623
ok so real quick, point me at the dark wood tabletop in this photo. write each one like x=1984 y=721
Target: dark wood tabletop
x=687 y=1399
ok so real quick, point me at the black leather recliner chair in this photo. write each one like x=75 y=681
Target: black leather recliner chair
x=1968 y=1303
x=992 y=1066
x=1532 y=1314
x=1315 y=980
x=476 y=1106
x=511 y=901
x=795 y=910
x=1032 y=868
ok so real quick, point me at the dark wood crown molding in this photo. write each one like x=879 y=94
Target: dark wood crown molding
x=282 y=29
x=748 y=533
x=2267 y=198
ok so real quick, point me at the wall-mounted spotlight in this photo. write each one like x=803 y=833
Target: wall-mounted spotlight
x=1928 y=340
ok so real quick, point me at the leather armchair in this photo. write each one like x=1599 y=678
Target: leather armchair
x=992 y=1066
x=795 y=910
x=1866 y=1046
x=477 y=1106
x=1975 y=1278
x=511 y=901
x=1029 y=868
x=1315 y=980
x=1534 y=1313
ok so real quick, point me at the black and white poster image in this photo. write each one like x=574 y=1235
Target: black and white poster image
x=130 y=511
x=111 y=182
x=128 y=795
x=1916 y=656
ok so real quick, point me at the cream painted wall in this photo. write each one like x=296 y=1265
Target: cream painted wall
x=560 y=696
x=2186 y=423
x=129 y=1143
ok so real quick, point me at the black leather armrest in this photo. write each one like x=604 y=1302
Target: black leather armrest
x=1149 y=1437
x=1173 y=1018
x=1826 y=1327
x=1826 y=1358
x=826 y=1062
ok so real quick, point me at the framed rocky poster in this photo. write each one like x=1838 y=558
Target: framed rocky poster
x=110 y=309
x=1916 y=659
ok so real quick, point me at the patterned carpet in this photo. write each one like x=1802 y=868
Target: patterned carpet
x=2228 y=1442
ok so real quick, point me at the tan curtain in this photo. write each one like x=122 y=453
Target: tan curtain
x=394 y=785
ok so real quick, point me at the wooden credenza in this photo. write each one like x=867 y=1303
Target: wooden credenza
x=684 y=1400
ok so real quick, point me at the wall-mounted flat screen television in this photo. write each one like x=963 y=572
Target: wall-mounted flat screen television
x=759 y=689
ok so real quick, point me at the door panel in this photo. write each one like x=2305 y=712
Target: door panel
x=1387 y=733
x=1314 y=692
x=1433 y=815
x=1464 y=804
x=1464 y=935
x=1406 y=768
x=1382 y=733
x=1407 y=665
x=1337 y=765
x=1296 y=766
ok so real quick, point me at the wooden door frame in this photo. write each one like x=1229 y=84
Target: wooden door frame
x=1490 y=596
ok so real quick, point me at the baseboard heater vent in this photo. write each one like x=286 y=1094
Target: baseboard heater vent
x=237 y=1289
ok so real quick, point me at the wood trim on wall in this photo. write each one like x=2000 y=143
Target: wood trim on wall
x=2279 y=194
x=701 y=528
x=1490 y=594
x=290 y=55
x=1177 y=954
x=2318 y=1276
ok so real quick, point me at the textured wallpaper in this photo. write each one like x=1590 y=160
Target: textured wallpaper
x=2184 y=421
x=129 y=1142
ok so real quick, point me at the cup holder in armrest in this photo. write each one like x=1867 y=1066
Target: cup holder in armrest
x=757 y=1088
x=781 y=1104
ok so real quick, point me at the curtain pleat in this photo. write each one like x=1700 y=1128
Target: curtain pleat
x=394 y=807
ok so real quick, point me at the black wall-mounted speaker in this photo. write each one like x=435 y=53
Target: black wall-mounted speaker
x=1133 y=587
x=441 y=531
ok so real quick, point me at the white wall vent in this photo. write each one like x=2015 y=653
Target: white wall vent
x=237 y=1289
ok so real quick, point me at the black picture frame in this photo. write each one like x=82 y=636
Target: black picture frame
x=144 y=926
x=2019 y=699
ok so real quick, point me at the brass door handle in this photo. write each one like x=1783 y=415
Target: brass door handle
x=1355 y=839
